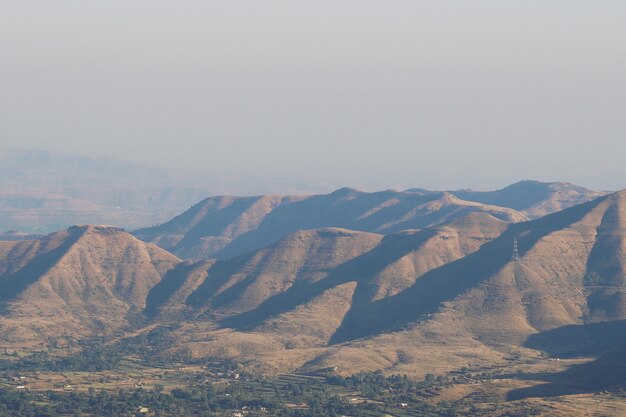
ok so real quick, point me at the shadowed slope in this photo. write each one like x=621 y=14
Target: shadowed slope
x=244 y=283
x=606 y=268
x=387 y=269
x=451 y=280
x=24 y=263
x=580 y=340
x=359 y=269
x=174 y=288
x=608 y=372
x=371 y=314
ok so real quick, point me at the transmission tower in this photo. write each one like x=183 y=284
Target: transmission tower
x=515 y=256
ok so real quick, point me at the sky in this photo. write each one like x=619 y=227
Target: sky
x=373 y=94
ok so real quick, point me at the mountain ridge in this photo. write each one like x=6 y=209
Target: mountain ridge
x=213 y=229
x=325 y=297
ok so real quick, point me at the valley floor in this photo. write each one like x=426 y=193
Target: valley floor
x=523 y=388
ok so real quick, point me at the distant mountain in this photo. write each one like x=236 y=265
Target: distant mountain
x=17 y=235
x=225 y=227
x=83 y=281
x=533 y=198
x=41 y=192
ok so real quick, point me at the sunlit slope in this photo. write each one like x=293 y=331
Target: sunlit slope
x=83 y=281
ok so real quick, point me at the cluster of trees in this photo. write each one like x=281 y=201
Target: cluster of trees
x=312 y=399
x=376 y=383
x=97 y=355
x=180 y=403
x=312 y=396
x=397 y=389
x=106 y=404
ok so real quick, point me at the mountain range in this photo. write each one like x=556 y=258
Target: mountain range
x=223 y=227
x=409 y=282
x=41 y=191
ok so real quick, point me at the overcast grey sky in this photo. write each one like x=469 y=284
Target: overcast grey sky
x=439 y=94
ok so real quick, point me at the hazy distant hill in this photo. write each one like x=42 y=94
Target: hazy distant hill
x=533 y=198
x=83 y=281
x=224 y=227
x=42 y=192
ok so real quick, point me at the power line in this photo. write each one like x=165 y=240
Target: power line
x=515 y=256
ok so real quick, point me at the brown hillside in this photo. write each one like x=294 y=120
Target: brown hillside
x=297 y=293
x=82 y=281
x=225 y=227
x=421 y=301
x=533 y=198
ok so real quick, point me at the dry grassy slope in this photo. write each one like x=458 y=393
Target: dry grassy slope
x=555 y=283
x=418 y=301
x=242 y=284
x=168 y=297
x=444 y=244
x=441 y=298
x=296 y=294
x=549 y=288
x=225 y=227
x=78 y=282
x=211 y=225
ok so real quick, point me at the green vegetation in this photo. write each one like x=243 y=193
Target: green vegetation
x=96 y=355
x=299 y=400
x=219 y=390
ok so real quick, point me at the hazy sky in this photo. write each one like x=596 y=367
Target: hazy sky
x=439 y=94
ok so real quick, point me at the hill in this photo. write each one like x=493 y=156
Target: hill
x=41 y=192
x=440 y=298
x=533 y=198
x=290 y=303
x=80 y=282
x=431 y=300
x=224 y=227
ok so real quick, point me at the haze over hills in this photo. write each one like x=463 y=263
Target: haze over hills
x=43 y=192
x=224 y=226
